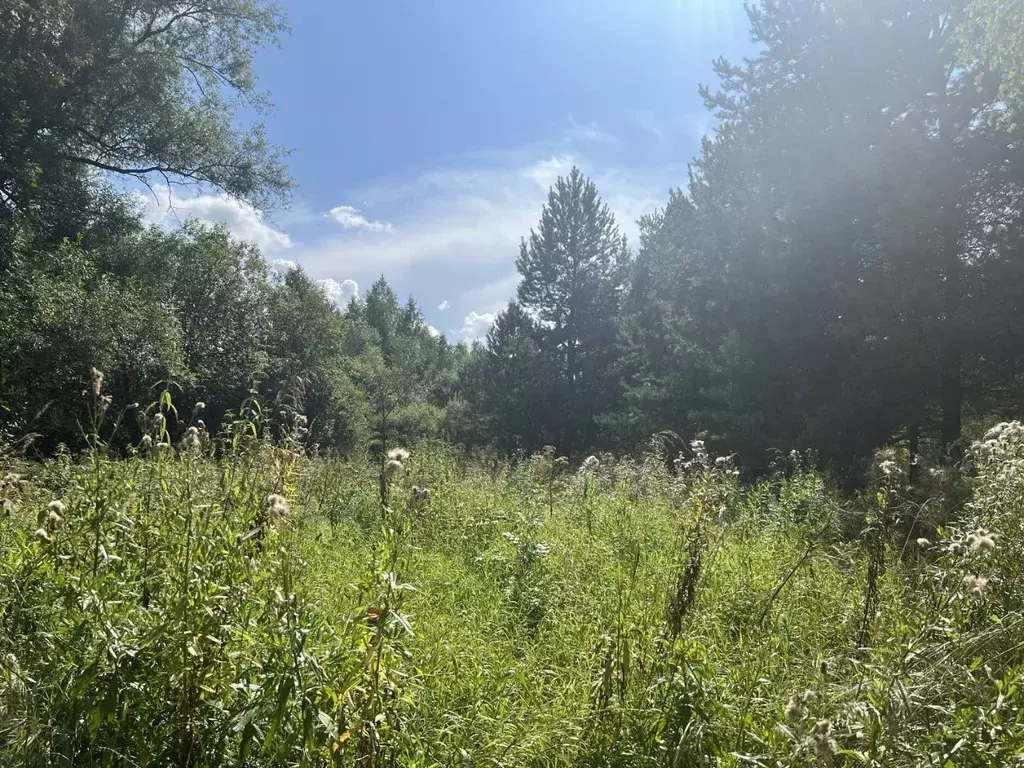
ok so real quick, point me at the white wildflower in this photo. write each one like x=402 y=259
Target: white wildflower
x=42 y=536
x=923 y=543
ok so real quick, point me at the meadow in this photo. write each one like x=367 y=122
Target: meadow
x=231 y=599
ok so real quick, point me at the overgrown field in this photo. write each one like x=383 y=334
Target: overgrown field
x=236 y=602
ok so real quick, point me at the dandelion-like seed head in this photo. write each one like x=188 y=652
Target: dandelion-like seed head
x=398 y=454
x=56 y=506
x=158 y=420
x=981 y=541
x=6 y=507
x=147 y=441
x=393 y=467
x=53 y=520
x=795 y=708
x=42 y=536
x=277 y=506
x=976 y=587
x=420 y=495
x=97 y=382
x=821 y=740
x=191 y=441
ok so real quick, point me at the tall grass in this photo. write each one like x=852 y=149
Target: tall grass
x=231 y=601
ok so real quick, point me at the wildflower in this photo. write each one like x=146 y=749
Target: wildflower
x=923 y=543
x=590 y=463
x=6 y=507
x=147 y=442
x=52 y=521
x=191 y=440
x=97 y=382
x=301 y=420
x=162 y=446
x=398 y=454
x=158 y=420
x=392 y=468
x=200 y=406
x=200 y=423
x=981 y=541
x=42 y=536
x=976 y=586
x=420 y=495
x=822 y=742
x=277 y=506
x=888 y=467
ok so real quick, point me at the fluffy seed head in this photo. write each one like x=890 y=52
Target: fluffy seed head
x=976 y=587
x=393 y=467
x=922 y=542
x=97 y=382
x=52 y=521
x=42 y=536
x=277 y=506
x=981 y=541
x=795 y=708
x=398 y=454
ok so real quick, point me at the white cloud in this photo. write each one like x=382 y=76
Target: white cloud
x=339 y=293
x=242 y=220
x=443 y=306
x=434 y=333
x=546 y=172
x=476 y=325
x=647 y=120
x=458 y=229
x=351 y=218
x=283 y=265
x=590 y=132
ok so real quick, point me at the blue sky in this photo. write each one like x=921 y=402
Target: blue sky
x=424 y=135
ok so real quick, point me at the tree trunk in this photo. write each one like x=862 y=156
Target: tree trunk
x=951 y=269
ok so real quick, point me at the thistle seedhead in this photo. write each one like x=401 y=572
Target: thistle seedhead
x=97 y=382
x=277 y=506
x=976 y=587
x=42 y=536
x=398 y=454
x=191 y=441
x=392 y=468
x=981 y=541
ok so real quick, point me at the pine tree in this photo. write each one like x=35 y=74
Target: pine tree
x=573 y=268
